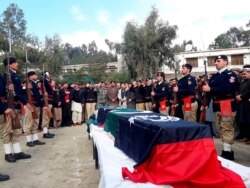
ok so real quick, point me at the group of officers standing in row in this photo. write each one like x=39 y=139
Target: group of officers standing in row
x=178 y=98
x=17 y=106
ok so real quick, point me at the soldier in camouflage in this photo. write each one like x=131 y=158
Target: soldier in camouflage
x=102 y=95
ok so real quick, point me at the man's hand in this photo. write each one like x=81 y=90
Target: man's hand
x=30 y=107
x=10 y=112
x=238 y=98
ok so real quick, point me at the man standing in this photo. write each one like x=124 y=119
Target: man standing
x=77 y=104
x=161 y=94
x=11 y=134
x=4 y=111
x=90 y=97
x=244 y=105
x=102 y=95
x=48 y=101
x=113 y=94
x=222 y=87
x=148 y=98
x=186 y=93
x=34 y=97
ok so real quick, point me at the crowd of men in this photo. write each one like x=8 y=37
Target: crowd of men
x=220 y=99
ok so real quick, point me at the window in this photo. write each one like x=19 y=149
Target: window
x=237 y=60
x=192 y=61
x=210 y=61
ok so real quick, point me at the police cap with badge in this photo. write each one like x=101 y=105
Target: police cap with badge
x=223 y=57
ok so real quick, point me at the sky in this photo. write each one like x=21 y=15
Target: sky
x=82 y=21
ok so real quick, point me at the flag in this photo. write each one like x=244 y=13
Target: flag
x=171 y=151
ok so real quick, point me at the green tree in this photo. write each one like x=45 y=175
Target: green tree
x=147 y=47
x=233 y=38
x=13 y=27
x=54 y=55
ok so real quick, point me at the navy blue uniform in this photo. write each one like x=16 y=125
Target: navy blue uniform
x=16 y=81
x=186 y=88
x=36 y=96
x=161 y=92
x=223 y=86
x=49 y=90
x=3 y=103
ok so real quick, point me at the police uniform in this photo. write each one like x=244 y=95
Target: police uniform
x=223 y=87
x=46 y=113
x=31 y=126
x=11 y=136
x=3 y=107
x=161 y=97
x=186 y=96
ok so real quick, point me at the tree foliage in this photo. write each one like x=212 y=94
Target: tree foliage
x=233 y=38
x=147 y=47
x=12 y=27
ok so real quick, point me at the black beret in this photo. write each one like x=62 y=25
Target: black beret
x=31 y=73
x=224 y=57
x=11 y=60
x=188 y=66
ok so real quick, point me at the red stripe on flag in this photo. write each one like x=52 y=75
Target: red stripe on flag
x=189 y=164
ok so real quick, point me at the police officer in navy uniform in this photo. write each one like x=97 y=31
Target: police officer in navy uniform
x=31 y=123
x=161 y=94
x=49 y=92
x=11 y=136
x=186 y=93
x=222 y=88
x=3 y=109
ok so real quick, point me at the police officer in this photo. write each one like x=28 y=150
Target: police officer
x=161 y=94
x=185 y=90
x=10 y=135
x=47 y=96
x=3 y=110
x=222 y=87
x=30 y=129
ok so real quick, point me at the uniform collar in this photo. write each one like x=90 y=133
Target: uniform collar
x=222 y=70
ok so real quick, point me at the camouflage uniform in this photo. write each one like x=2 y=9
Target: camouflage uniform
x=102 y=96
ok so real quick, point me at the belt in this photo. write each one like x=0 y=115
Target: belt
x=218 y=101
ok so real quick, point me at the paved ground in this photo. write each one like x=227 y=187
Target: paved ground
x=67 y=162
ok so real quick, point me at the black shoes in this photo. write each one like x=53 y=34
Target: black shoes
x=10 y=158
x=30 y=144
x=13 y=158
x=38 y=142
x=21 y=155
x=4 y=177
x=48 y=135
x=52 y=134
x=228 y=155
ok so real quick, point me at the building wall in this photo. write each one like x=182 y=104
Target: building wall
x=198 y=59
